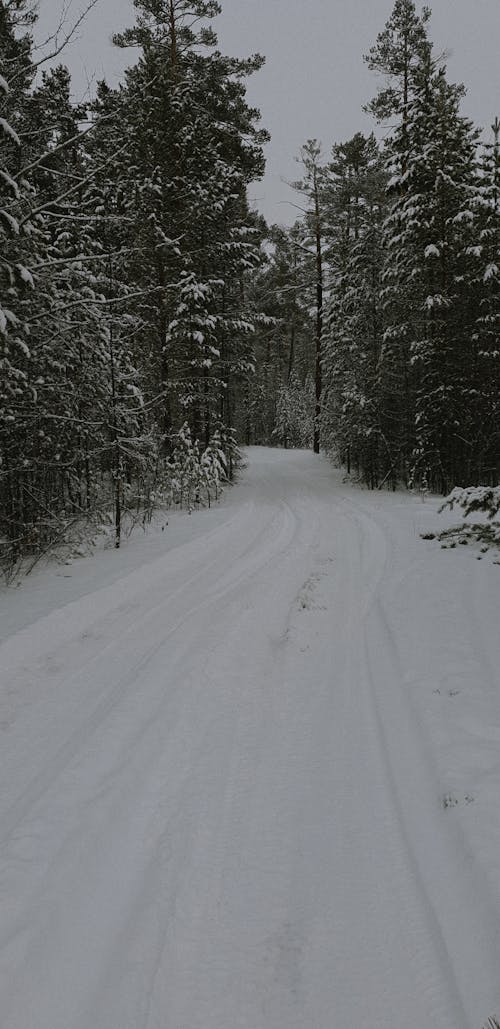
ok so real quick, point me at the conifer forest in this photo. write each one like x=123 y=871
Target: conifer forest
x=249 y=515
x=151 y=322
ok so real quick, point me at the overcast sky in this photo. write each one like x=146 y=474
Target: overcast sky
x=314 y=83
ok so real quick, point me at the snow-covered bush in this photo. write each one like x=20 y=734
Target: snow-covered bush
x=197 y=476
x=230 y=449
x=184 y=469
x=473 y=500
x=213 y=469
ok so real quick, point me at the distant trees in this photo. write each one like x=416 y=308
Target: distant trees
x=284 y=290
x=295 y=407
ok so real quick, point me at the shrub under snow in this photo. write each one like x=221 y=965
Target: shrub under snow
x=473 y=500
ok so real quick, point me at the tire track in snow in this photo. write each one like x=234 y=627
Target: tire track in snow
x=275 y=541
x=432 y=965
x=228 y=582
x=405 y=751
x=231 y=839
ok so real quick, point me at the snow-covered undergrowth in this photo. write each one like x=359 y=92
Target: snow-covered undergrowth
x=194 y=475
x=474 y=501
x=191 y=477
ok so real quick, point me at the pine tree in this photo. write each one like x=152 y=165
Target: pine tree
x=354 y=216
x=402 y=49
x=398 y=54
x=425 y=355
x=194 y=147
x=60 y=319
x=483 y=280
x=19 y=241
x=311 y=186
x=426 y=327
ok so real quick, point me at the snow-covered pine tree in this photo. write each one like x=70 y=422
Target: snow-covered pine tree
x=61 y=320
x=431 y=157
x=482 y=276
x=354 y=212
x=194 y=146
x=185 y=469
x=311 y=186
x=214 y=468
x=18 y=246
x=398 y=54
x=136 y=233
x=427 y=328
x=56 y=410
x=130 y=443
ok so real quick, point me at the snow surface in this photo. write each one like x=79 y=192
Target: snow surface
x=250 y=771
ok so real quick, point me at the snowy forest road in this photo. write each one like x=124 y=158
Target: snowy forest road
x=250 y=784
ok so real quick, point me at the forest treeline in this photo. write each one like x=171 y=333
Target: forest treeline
x=150 y=321
x=400 y=247
x=127 y=247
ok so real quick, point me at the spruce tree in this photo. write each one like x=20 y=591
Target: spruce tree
x=481 y=260
x=353 y=336
x=194 y=147
x=19 y=245
x=432 y=165
x=311 y=186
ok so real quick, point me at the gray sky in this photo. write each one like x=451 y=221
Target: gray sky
x=314 y=83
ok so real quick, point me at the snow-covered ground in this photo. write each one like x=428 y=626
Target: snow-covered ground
x=250 y=771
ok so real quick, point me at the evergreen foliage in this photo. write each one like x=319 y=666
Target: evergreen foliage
x=295 y=404
x=407 y=234
x=150 y=321
x=473 y=500
x=351 y=418
x=127 y=245
x=283 y=289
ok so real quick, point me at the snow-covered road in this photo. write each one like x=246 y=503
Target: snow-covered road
x=254 y=782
